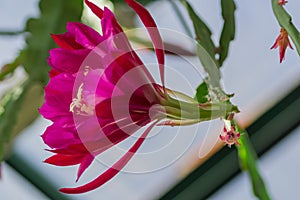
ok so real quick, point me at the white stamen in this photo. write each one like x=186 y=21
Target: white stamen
x=81 y=106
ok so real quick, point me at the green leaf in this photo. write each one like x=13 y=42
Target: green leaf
x=181 y=18
x=285 y=21
x=247 y=157
x=202 y=32
x=202 y=94
x=54 y=14
x=209 y=65
x=206 y=55
x=205 y=48
x=17 y=110
x=228 y=31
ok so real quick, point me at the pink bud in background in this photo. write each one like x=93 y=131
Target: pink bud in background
x=282 y=42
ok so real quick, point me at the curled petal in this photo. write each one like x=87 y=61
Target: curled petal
x=96 y=10
x=85 y=163
x=152 y=29
x=113 y=171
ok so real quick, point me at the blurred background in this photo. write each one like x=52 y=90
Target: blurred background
x=252 y=72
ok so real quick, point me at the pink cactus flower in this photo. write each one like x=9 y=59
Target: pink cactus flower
x=100 y=93
x=282 y=42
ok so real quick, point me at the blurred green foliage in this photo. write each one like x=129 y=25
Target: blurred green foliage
x=19 y=107
x=247 y=158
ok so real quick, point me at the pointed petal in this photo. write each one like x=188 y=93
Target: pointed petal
x=96 y=10
x=222 y=137
x=282 y=53
x=65 y=151
x=111 y=27
x=67 y=61
x=118 y=67
x=85 y=163
x=71 y=149
x=62 y=41
x=152 y=29
x=290 y=44
x=113 y=171
x=275 y=45
x=57 y=137
x=84 y=35
x=64 y=160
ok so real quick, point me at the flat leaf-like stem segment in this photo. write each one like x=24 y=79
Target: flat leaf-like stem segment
x=247 y=157
x=54 y=15
x=206 y=51
x=228 y=31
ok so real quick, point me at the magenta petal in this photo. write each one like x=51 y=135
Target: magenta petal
x=62 y=119
x=66 y=41
x=53 y=72
x=111 y=172
x=67 y=61
x=58 y=98
x=96 y=86
x=99 y=94
x=117 y=74
x=57 y=137
x=50 y=112
x=109 y=24
x=71 y=149
x=84 y=35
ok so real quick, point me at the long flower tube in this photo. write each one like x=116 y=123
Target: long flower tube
x=100 y=93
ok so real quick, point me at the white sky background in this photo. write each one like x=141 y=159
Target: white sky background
x=252 y=72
